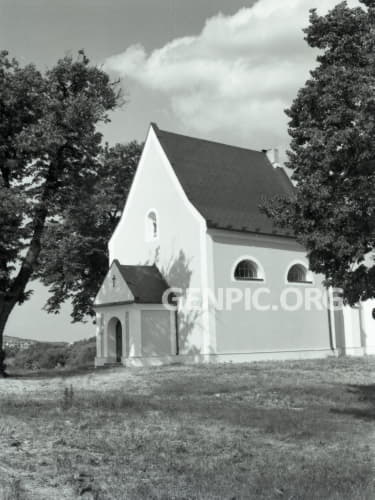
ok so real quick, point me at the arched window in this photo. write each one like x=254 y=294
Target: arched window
x=151 y=226
x=246 y=270
x=298 y=274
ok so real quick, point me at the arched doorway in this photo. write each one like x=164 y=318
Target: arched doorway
x=118 y=341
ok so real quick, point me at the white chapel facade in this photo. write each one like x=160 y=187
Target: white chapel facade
x=192 y=223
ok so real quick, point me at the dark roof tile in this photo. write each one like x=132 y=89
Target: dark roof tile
x=226 y=184
x=145 y=282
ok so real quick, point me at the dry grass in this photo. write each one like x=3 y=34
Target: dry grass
x=295 y=430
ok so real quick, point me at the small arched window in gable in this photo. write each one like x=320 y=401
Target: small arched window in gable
x=151 y=226
x=298 y=274
x=247 y=270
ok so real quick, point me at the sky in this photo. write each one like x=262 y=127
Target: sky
x=215 y=69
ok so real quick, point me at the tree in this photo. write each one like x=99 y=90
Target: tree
x=74 y=257
x=332 y=129
x=49 y=146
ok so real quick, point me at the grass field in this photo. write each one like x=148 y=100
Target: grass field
x=293 y=430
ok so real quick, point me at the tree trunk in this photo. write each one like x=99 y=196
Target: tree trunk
x=5 y=310
x=16 y=291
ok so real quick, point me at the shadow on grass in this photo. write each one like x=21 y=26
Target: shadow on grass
x=283 y=410
x=365 y=408
x=76 y=404
x=53 y=373
x=301 y=424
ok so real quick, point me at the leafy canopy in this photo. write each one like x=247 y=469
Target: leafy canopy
x=74 y=259
x=332 y=152
x=61 y=191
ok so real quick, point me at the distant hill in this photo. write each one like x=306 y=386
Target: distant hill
x=20 y=343
x=17 y=341
x=34 y=355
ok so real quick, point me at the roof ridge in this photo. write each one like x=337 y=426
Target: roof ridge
x=225 y=183
x=158 y=130
x=138 y=265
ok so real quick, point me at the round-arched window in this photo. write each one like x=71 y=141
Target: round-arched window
x=246 y=270
x=151 y=226
x=298 y=274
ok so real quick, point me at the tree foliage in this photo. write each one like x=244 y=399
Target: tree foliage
x=74 y=257
x=332 y=152
x=47 y=356
x=49 y=147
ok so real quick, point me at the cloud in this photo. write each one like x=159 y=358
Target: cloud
x=237 y=76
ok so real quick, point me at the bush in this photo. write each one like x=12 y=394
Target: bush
x=82 y=353
x=43 y=355
x=11 y=350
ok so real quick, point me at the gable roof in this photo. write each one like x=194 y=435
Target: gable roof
x=145 y=282
x=226 y=184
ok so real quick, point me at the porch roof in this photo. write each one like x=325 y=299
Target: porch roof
x=146 y=283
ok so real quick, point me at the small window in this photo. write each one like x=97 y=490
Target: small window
x=151 y=226
x=246 y=270
x=298 y=274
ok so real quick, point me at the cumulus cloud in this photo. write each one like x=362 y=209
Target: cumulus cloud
x=237 y=76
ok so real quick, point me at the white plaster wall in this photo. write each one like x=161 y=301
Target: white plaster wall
x=368 y=325
x=240 y=331
x=211 y=342
x=156 y=333
x=113 y=291
x=357 y=323
x=131 y=342
x=352 y=331
x=179 y=252
x=99 y=335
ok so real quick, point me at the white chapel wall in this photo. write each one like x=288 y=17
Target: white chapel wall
x=177 y=251
x=241 y=331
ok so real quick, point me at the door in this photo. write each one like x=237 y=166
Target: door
x=118 y=342
x=127 y=334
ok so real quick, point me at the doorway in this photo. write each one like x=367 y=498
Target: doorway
x=118 y=341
